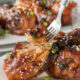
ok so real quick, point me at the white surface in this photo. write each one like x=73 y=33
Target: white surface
x=10 y=39
x=3 y=76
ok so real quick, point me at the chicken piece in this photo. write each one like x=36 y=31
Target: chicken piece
x=37 y=35
x=18 y=21
x=64 y=57
x=43 y=14
x=4 y=8
x=25 y=4
x=66 y=16
x=26 y=61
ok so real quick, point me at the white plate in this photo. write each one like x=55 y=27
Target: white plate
x=3 y=76
x=11 y=39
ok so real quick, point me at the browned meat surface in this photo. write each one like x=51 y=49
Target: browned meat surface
x=18 y=21
x=30 y=13
x=4 y=8
x=65 y=57
x=26 y=61
x=61 y=60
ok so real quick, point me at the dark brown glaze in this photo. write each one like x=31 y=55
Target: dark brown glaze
x=26 y=61
x=65 y=62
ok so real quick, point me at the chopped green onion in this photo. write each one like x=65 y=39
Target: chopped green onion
x=31 y=13
x=45 y=24
x=47 y=78
x=49 y=45
x=6 y=31
x=54 y=50
x=48 y=5
x=7 y=54
x=58 y=0
x=49 y=12
x=56 y=62
x=66 y=46
x=35 y=38
x=44 y=1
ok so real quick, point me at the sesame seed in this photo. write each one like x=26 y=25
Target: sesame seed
x=30 y=69
x=17 y=69
x=26 y=57
x=27 y=73
x=77 y=48
x=21 y=77
x=36 y=70
x=39 y=64
x=12 y=72
x=21 y=74
x=26 y=68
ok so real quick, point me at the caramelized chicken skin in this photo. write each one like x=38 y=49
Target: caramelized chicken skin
x=26 y=61
x=26 y=14
x=65 y=57
x=4 y=8
x=18 y=21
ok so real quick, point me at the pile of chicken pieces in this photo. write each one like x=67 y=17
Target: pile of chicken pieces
x=59 y=58
x=26 y=15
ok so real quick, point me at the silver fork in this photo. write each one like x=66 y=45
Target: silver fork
x=55 y=26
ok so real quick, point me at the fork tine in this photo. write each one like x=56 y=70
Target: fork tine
x=53 y=30
x=51 y=37
x=49 y=28
x=48 y=35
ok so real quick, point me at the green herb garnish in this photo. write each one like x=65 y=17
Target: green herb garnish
x=55 y=62
x=49 y=45
x=49 y=12
x=45 y=24
x=7 y=54
x=44 y=1
x=48 y=5
x=58 y=0
x=34 y=38
x=54 y=50
x=31 y=13
x=66 y=46
x=6 y=31
x=47 y=78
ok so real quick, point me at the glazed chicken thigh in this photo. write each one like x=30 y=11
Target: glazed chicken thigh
x=26 y=61
x=65 y=57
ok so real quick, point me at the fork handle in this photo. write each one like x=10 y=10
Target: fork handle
x=60 y=13
x=64 y=2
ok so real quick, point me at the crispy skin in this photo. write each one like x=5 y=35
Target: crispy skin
x=26 y=61
x=65 y=63
x=18 y=21
x=4 y=8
